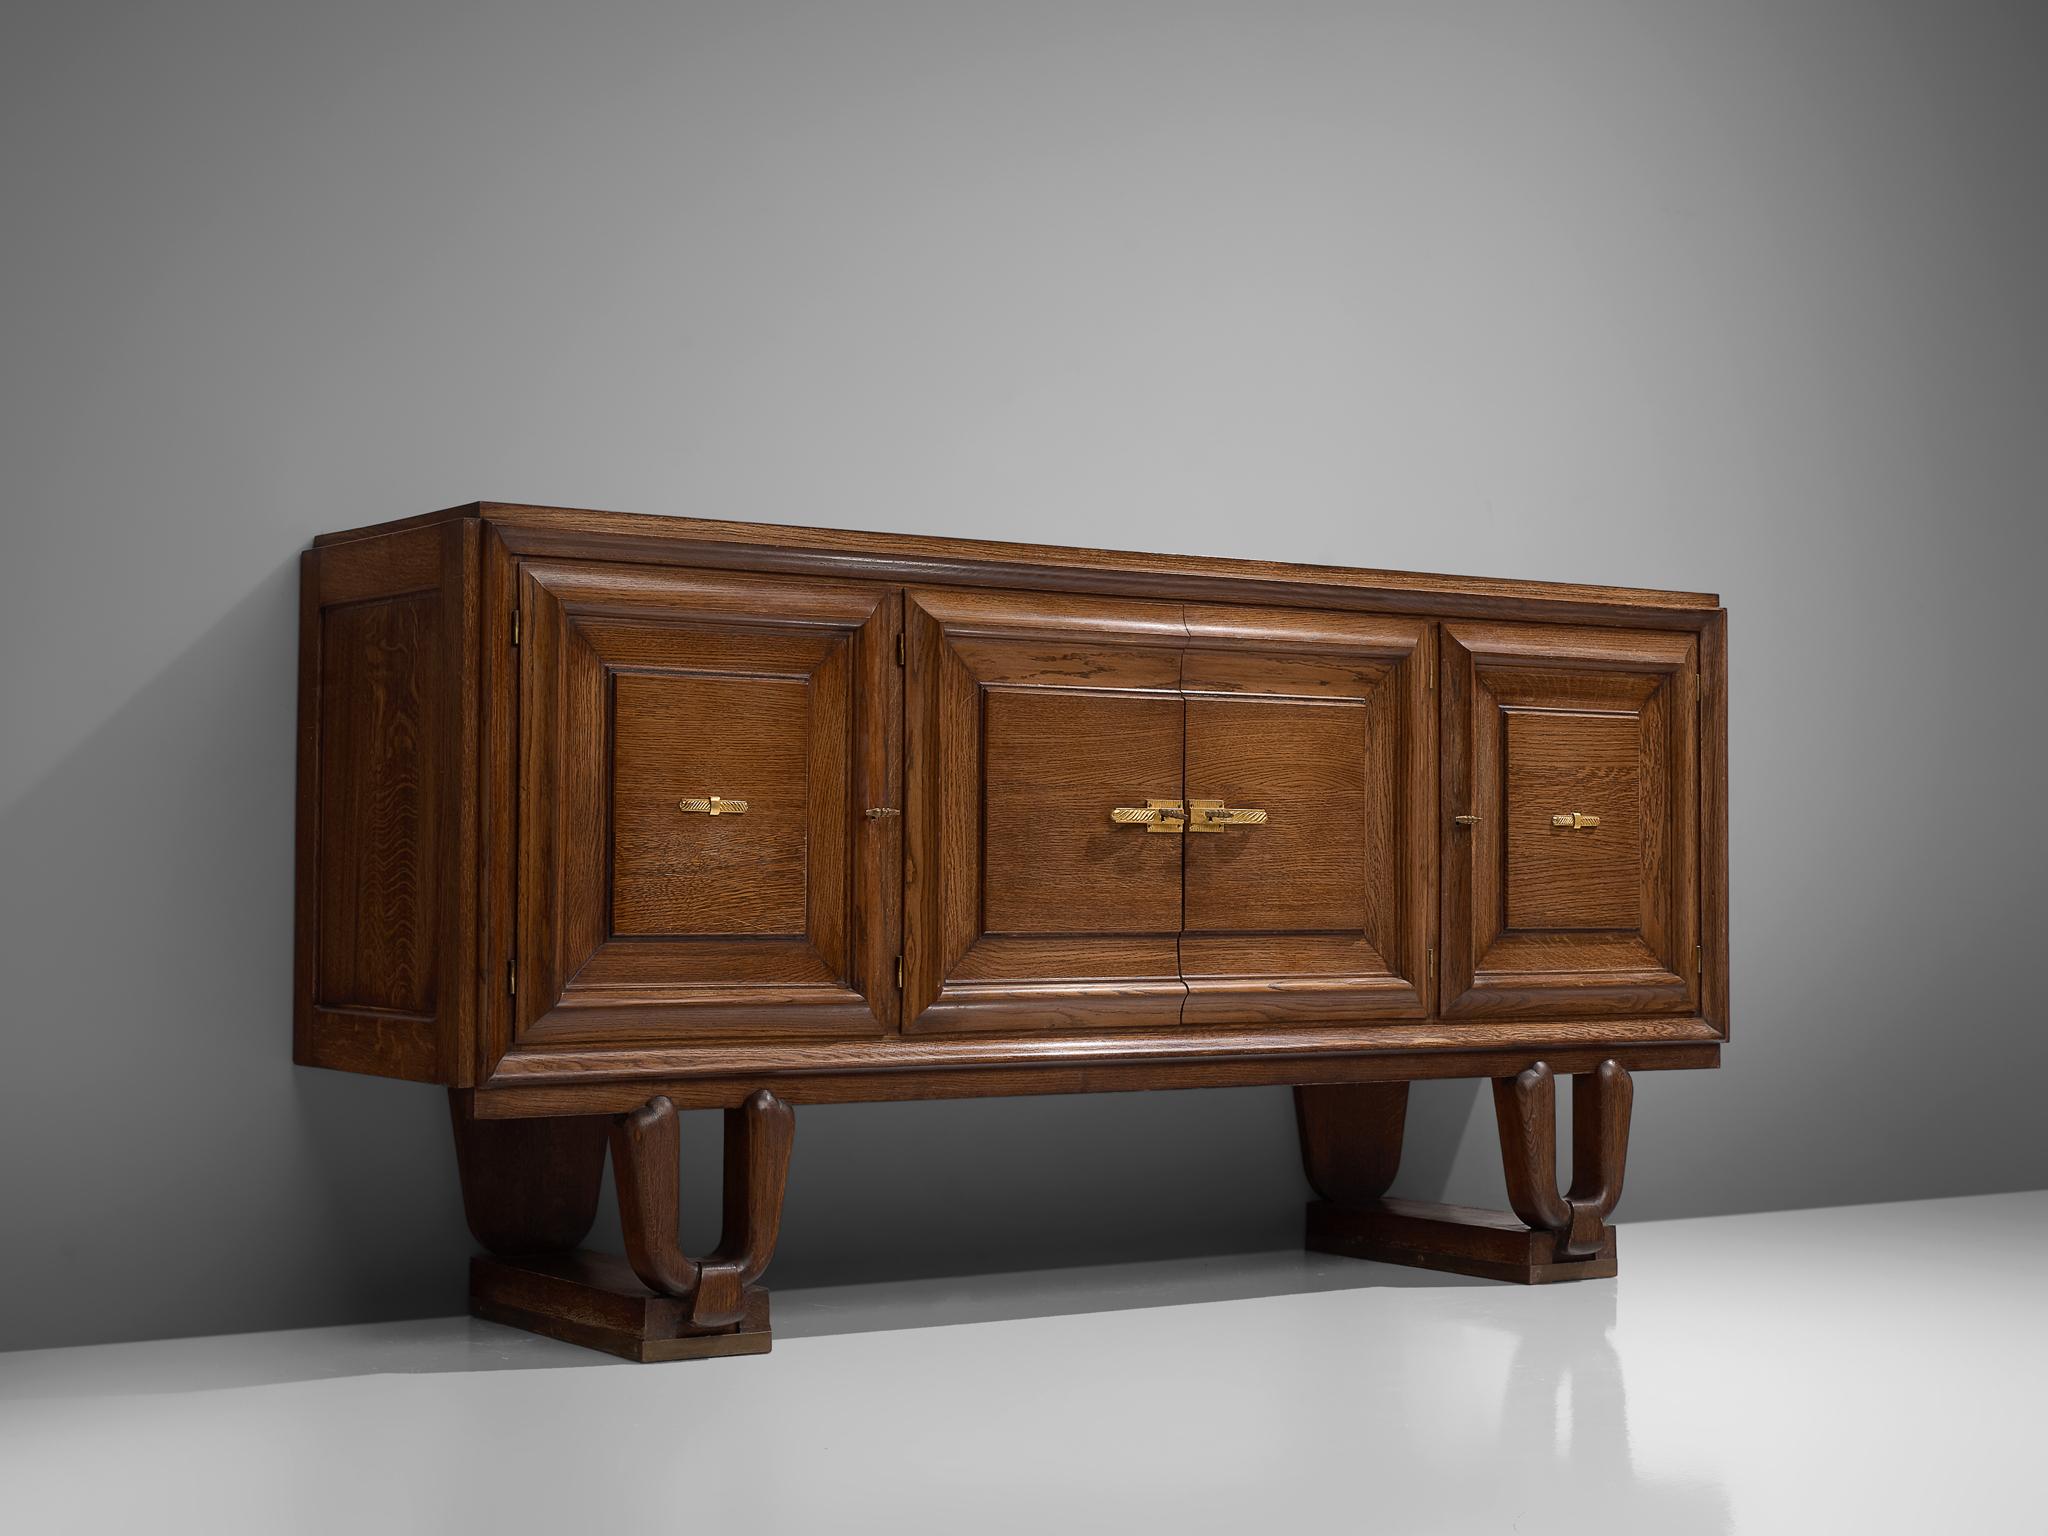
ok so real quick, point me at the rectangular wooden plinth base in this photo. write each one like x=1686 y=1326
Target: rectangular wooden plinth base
x=1461 y=1239
x=595 y=1299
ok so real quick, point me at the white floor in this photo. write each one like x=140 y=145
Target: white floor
x=1869 y=1369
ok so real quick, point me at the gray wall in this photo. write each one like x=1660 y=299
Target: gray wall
x=1744 y=297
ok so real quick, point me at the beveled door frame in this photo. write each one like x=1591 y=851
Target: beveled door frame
x=579 y=988
x=957 y=976
x=1386 y=665
x=1487 y=668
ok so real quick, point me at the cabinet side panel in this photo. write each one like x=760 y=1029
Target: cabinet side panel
x=380 y=971
x=380 y=736
x=1714 y=821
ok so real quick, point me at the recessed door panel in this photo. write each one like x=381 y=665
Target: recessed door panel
x=1309 y=778
x=676 y=873
x=1570 y=821
x=1055 y=760
x=1573 y=764
x=1033 y=720
x=696 y=751
x=1303 y=869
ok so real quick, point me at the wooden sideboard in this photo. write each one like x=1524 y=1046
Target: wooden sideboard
x=603 y=817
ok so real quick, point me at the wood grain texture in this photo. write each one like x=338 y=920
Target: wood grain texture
x=1325 y=721
x=1603 y=1105
x=379 y=740
x=501 y=708
x=743 y=738
x=1304 y=870
x=646 y=1148
x=1525 y=1107
x=1569 y=762
x=936 y=1066
x=528 y=1186
x=1228 y=639
x=1028 y=721
x=616 y=1095
x=596 y=1301
x=1054 y=762
x=1452 y=1239
x=1537 y=919
x=385 y=904
x=1713 y=822
x=1351 y=1146
x=638 y=921
x=1351 y=1138
x=973 y=562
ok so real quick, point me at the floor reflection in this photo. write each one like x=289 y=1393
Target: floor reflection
x=1704 y=1391
x=1564 y=1417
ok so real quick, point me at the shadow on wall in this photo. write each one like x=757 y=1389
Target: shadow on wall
x=173 y=1176
x=174 y=1173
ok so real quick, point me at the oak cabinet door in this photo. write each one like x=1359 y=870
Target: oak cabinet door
x=1308 y=897
x=1572 y=890
x=696 y=753
x=1030 y=719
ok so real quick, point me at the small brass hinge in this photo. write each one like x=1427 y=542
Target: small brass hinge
x=515 y=626
x=511 y=978
x=1432 y=960
x=899 y=973
x=1699 y=960
x=900 y=649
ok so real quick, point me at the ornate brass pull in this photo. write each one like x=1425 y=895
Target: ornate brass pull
x=1153 y=816
x=1214 y=816
x=712 y=805
x=1466 y=821
x=1575 y=820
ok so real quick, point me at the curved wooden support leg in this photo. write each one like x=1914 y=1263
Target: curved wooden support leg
x=658 y=1303
x=1602 y=1103
x=1351 y=1138
x=1525 y=1108
x=1558 y=1237
x=646 y=1153
x=528 y=1186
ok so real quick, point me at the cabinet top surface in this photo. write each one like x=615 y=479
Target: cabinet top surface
x=987 y=556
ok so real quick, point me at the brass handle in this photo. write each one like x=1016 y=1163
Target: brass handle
x=713 y=805
x=1466 y=821
x=1153 y=816
x=1575 y=820
x=1214 y=816
x=877 y=812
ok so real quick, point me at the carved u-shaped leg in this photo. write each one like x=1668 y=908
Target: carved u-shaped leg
x=1526 y=1109
x=1351 y=1148
x=646 y=1156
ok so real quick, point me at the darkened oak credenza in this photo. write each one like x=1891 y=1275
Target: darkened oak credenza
x=604 y=817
